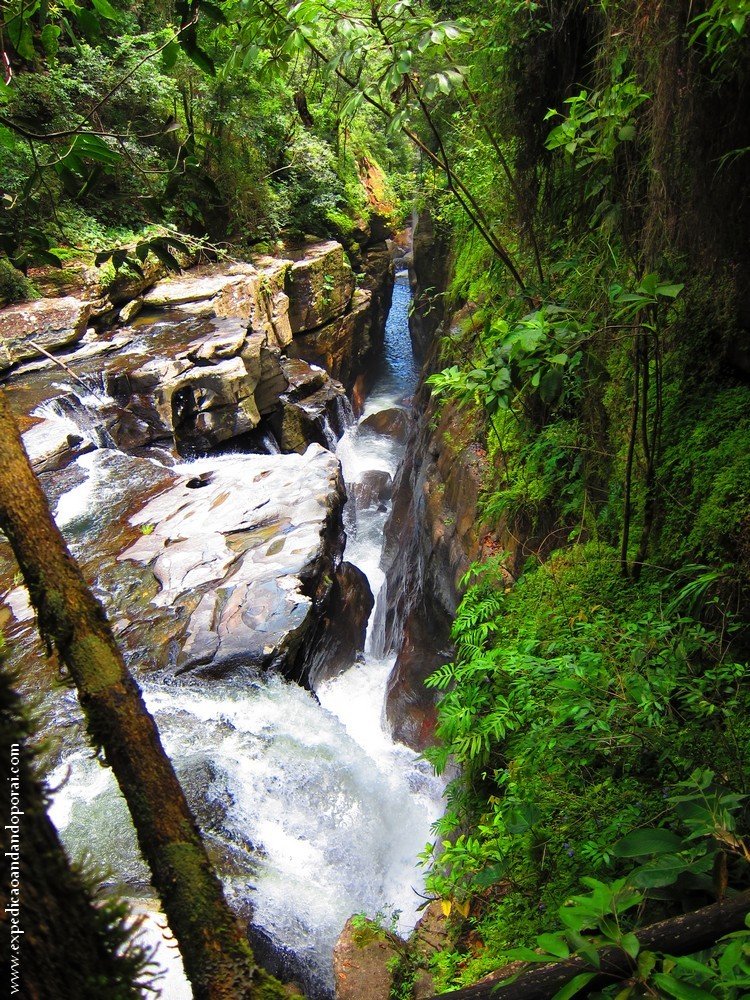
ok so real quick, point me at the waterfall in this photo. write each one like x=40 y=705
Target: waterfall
x=268 y=443
x=329 y=434
x=82 y=411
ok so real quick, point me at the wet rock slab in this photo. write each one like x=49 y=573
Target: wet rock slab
x=222 y=565
x=253 y=293
x=246 y=547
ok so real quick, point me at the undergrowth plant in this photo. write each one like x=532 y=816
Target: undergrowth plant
x=575 y=709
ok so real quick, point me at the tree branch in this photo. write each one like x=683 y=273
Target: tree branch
x=683 y=935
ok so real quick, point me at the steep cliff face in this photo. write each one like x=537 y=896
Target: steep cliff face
x=429 y=273
x=432 y=536
x=337 y=327
x=434 y=531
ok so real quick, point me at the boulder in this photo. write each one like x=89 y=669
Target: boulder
x=362 y=958
x=205 y=406
x=130 y=310
x=243 y=550
x=129 y=285
x=52 y=444
x=295 y=430
x=320 y=284
x=393 y=422
x=314 y=408
x=50 y=323
x=374 y=489
x=343 y=628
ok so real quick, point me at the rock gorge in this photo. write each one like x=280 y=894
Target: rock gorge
x=185 y=438
x=215 y=570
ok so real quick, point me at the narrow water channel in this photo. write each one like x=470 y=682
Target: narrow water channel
x=310 y=811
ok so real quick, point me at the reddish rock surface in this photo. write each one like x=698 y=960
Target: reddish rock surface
x=360 y=963
x=51 y=323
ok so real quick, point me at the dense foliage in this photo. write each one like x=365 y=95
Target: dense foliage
x=599 y=684
x=143 y=125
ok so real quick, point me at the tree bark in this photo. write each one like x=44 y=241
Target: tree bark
x=69 y=946
x=217 y=957
x=681 y=935
x=300 y=103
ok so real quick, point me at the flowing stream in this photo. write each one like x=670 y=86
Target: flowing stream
x=310 y=811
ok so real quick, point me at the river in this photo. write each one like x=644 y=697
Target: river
x=310 y=811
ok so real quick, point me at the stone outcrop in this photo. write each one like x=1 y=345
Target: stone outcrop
x=53 y=444
x=200 y=398
x=202 y=367
x=247 y=548
x=335 y=326
x=365 y=957
x=50 y=323
x=226 y=565
x=252 y=293
x=432 y=536
x=429 y=272
x=320 y=285
x=342 y=346
x=192 y=389
x=374 y=489
x=313 y=408
x=232 y=563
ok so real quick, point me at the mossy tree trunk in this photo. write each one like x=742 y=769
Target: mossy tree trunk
x=216 y=954
x=73 y=946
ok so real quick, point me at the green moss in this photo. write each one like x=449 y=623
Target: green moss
x=268 y=988
x=14 y=286
x=707 y=478
x=96 y=665
x=473 y=274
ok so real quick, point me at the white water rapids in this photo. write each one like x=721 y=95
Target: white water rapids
x=311 y=812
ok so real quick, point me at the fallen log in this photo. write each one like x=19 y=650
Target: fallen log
x=677 y=936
